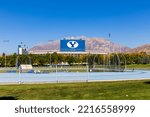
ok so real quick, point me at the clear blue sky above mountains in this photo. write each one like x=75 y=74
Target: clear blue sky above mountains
x=37 y=21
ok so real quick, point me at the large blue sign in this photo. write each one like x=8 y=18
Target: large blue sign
x=72 y=45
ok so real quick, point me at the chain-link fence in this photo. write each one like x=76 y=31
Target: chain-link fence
x=76 y=72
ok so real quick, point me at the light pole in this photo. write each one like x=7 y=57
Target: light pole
x=50 y=59
x=87 y=66
x=5 y=60
x=5 y=41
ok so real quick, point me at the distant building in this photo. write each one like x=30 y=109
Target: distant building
x=22 y=50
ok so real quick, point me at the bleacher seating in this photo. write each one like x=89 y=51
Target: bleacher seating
x=26 y=67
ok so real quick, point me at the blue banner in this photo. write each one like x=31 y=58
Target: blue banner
x=72 y=45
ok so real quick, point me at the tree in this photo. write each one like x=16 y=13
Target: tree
x=3 y=54
x=55 y=58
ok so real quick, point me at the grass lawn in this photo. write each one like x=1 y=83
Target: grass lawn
x=74 y=91
x=139 y=66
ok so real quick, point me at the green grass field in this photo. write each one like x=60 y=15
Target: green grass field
x=139 y=66
x=117 y=90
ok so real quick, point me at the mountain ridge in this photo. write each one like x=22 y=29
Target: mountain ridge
x=93 y=44
x=143 y=48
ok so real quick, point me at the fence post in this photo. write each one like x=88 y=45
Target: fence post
x=87 y=73
x=19 y=76
x=56 y=75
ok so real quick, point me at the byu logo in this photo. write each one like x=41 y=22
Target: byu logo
x=72 y=44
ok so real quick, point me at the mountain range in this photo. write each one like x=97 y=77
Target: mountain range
x=93 y=44
x=143 y=48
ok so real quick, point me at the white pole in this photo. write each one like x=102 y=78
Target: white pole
x=50 y=52
x=87 y=73
x=50 y=59
x=56 y=74
x=19 y=76
x=5 y=60
x=87 y=62
x=5 y=41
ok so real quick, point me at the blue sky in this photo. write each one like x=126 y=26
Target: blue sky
x=37 y=21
